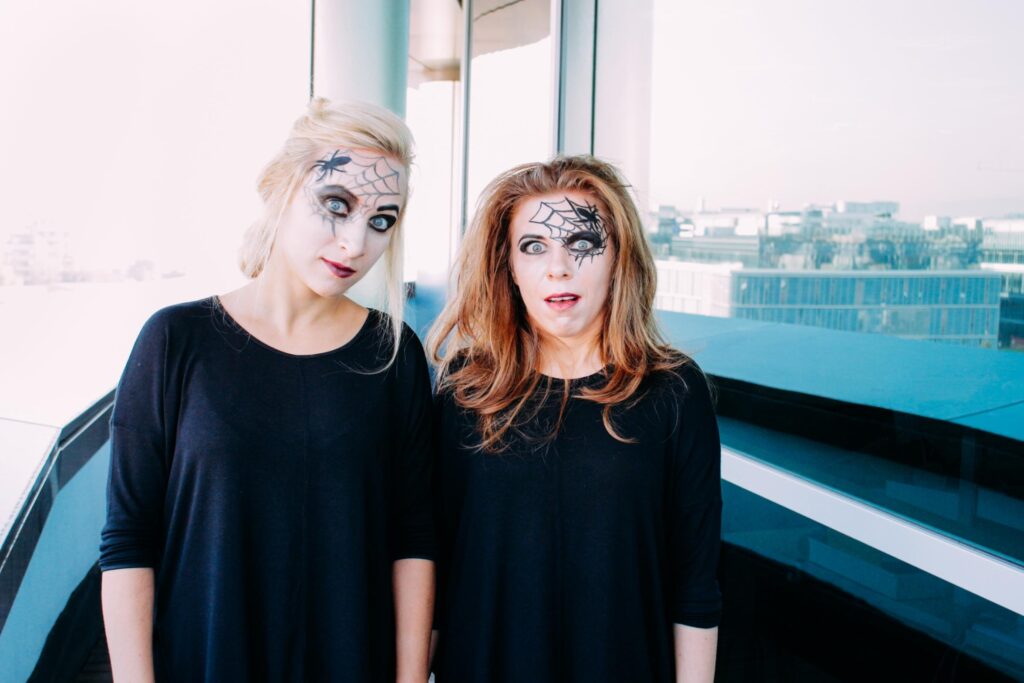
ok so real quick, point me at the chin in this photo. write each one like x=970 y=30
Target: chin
x=566 y=331
x=331 y=289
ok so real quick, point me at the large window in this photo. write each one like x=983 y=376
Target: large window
x=857 y=151
x=474 y=112
x=131 y=138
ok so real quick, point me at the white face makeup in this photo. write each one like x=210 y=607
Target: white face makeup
x=562 y=258
x=340 y=221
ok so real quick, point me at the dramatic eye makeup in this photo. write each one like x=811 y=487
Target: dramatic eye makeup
x=382 y=222
x=584 y=242
x=355 y=182
x=578 y=227
x=531 y=244
x=336 y=205
x=332 y=203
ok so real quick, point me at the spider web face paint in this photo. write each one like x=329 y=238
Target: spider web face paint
x=370 y=177
x=373 y=180
x=570 y=222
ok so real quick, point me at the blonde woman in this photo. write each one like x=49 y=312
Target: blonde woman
x=269 y=510
x=579 y=478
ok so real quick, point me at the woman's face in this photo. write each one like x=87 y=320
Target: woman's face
x=562 y=259
x=340 y=221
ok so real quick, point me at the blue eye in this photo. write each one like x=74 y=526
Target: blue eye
x=382 y=222
x=532 y=248
x=335 y=205
x=585 y=242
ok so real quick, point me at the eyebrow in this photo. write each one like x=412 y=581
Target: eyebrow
x=389 y=207
x=340 y=189
x=536 y=237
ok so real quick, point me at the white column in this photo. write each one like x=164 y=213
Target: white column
x=575 y=133
x=361 y=52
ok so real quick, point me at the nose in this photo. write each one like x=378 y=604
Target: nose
x=352 y=238
x=560 y=265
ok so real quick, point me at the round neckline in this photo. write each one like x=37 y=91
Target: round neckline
x=370 y=315
x=575 y=380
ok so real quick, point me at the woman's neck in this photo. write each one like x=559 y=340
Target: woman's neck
x=284 y=303
x=569 y=359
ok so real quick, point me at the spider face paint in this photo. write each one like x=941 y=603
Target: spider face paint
x=561 y=257
x=577 y=227
x=337 y=227
x=350 y=185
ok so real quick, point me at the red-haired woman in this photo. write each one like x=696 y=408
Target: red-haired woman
x=579 y=464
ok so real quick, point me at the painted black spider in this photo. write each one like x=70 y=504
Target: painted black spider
x=326 y=166
x=588 y=214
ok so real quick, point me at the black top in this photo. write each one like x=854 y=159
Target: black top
x=570 y=562
x=271 y=492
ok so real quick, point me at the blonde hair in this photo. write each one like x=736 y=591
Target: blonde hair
x=484 y=325
x=327 y=125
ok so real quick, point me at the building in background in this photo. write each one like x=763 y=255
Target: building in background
x=961 y=307
x=36 y=255
x=848 y=266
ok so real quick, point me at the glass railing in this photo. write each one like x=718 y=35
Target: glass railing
x=55 y=510
x=803 y=601
x=961 y=506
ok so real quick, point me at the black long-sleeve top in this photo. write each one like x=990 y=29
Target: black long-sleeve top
x=571 y=561
x=271 y=492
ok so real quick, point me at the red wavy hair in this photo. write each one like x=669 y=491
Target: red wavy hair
x=484 y=326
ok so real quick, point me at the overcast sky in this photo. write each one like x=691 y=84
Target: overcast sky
x=918 y=101
x=140 y=127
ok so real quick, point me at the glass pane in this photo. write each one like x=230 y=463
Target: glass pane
x=804 y=602
x=511 y=90
x=131 y=138
x=863 y=150
x=434 y=113
x=972 y=498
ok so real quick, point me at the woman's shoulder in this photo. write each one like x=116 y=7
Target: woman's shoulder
x=684 y=381
x=176 y=318
x=382 y=321
x=410 y=354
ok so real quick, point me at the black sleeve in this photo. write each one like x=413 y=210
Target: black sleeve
x=695 y=507
x=141 y=445
x=443 y=504
x=414 y=460
x=448 y=494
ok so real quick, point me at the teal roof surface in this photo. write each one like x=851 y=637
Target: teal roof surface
x=980 y=388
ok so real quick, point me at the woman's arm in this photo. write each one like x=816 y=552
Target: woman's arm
x=696 y=649
x=142 y=418
x=414 y=610
x=128 y=620
x=413 y=573
x=695 y=533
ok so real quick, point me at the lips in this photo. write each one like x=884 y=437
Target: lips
x=562 y=301
x=337 y=269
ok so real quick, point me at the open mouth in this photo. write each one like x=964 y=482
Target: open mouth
x=562 y=301
x=337 y=269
